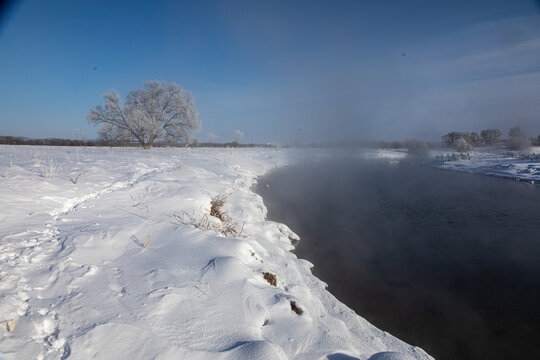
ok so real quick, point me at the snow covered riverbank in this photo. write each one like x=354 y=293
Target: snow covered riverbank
x=120 y=254
x=523 y=166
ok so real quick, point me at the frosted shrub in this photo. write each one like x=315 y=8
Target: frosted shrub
x=216 y=209
x=47 y=167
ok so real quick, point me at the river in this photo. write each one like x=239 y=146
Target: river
x=444 y=260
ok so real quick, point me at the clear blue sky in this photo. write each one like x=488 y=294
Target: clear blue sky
x=280 y=71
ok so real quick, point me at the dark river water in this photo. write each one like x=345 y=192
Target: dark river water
x=444 y=260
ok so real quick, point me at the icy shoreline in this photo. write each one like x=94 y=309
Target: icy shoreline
x=498 y=162
x=114 y=254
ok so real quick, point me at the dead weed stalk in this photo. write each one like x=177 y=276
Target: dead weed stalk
x=199 y=219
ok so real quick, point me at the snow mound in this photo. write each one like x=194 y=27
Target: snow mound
x=390 y=355
x=260 y=350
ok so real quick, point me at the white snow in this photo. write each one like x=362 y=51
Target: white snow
x=113 y=254
x=523 y=165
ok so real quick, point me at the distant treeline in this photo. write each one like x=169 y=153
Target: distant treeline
x=465 y=141
x=407 y=144
x=16 y=140
x=364 y=144
x=227 y=145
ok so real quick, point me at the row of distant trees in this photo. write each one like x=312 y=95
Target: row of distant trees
x=464 y=141
x=16 y=140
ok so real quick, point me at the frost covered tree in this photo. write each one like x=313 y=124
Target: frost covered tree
x=451 y=138
x=238 y=135
x=461 y=141
x=474 y=139
x=158 y=111
x=518 y=139
x=462 y=145
x=490 y=136
x=516 y=132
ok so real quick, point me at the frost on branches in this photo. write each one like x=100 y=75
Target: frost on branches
x=158 y=111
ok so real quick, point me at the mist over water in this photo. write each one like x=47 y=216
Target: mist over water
x=443 y=260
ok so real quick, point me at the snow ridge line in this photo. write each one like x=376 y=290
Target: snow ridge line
x=72 y=204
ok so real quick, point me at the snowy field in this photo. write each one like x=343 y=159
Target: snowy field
x=121 y=254
x=523 y=166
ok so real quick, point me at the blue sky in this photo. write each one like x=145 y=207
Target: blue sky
x=280 y=71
